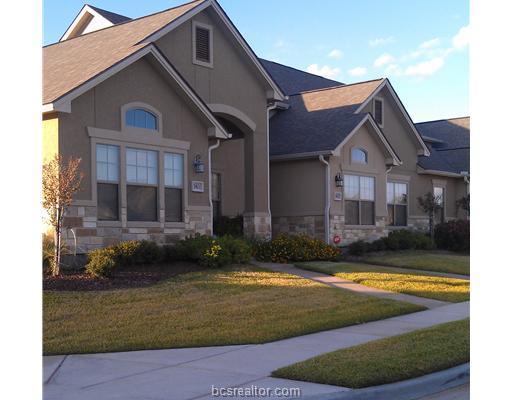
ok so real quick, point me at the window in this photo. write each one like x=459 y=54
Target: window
x=378 y=112
x=107 y=176
x=359 y=200
x=140 y=118
x=202 y=44
x=173 y=178
x=397 y=203
x=439 y=198
x=141 y=188
x=359 y=156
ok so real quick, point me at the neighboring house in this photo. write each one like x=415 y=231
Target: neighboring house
x=177 y=123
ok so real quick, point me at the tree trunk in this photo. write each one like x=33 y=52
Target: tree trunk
x=56 y=261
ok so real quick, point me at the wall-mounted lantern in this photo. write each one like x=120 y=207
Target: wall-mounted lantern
x=198 y=164
x=338 y=180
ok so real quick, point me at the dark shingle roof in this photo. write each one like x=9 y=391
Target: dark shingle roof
x=112 y=17
x=318 y=120
x=293 y=81
x=450 y=152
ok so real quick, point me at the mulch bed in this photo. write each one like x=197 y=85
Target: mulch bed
x=133 y=277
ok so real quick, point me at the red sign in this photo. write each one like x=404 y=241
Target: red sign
x=336 y=239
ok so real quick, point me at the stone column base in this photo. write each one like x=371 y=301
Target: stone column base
x=257 y=225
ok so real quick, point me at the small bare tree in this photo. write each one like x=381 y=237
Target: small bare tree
x=429 y=204
x=61 y=180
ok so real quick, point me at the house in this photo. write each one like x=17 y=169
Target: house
x=177 y=122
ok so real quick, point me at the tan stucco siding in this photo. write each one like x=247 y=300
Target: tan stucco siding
x=297 y=188
x=101 y=108
x=376 y=168
x=228 y=161
x=50 y=136
x=233 y=80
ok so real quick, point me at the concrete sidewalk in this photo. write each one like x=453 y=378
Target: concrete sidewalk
x=340 y=283
x=180 y=374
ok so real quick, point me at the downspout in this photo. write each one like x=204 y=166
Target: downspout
x=210 y=200
x=327 y=210
x=270 y=107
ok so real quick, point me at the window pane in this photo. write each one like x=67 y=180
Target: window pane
x=113 y=172
x=391 y=214
x=108 y=202
x=142 y=158
x=173 y=205
x=131 y=157
x=367 y=188
x=390 y=195
x=152 y=159
x=378 y=111
x=401 y=215
x=130 y=117
x=400 y=193
x=102 y=171
x=351 y=212
x=439 y=216
x=359 y=156
x=367 y=213
x=140 y=119
x=173 y=164
x=152 y=176
x=101 y=153
x=141 y=203
x=351 y=187
x=131 y=174
x=178 y=179
x=439 y=194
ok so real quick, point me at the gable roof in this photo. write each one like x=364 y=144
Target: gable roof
x=318 y=121
x=293 y=81
x=450 y=150
x=69 y=64
x=112 y=17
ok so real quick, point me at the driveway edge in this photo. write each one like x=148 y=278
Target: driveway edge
x=406 y=390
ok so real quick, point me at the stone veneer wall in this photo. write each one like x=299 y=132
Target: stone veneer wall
x=92 y=234
x=312 y=225
x=257 y=225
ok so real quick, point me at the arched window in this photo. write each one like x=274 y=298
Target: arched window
x=359 y=156
x=140 y=118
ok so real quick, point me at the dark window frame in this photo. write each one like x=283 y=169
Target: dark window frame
x=395 y=205
x=169 y=188
x=131 y=115
x=359 y=200
x=380 y=101
x=116 y=182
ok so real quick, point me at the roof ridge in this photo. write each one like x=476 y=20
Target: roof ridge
x=300 y=70
x=125 y=22
x=338 y=87
x=454 y=148
x=107 y=11
x=441 y=119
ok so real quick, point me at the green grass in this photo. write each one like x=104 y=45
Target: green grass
x=239 y=305
x=395 y=280
x=387 y=360
x=426 y=260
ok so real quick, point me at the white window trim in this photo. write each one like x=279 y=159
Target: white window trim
x=144 y=106
x=375 y=99
x=361 y=175
x=197 y=24
x=406 y=183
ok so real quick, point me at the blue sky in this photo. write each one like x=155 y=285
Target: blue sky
x=421 y=46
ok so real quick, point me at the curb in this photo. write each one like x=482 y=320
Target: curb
x=405 y=390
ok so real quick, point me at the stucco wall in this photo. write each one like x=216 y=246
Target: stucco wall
x=50 y=136
x=234 y=81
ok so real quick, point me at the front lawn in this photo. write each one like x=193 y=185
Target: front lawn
x=237 y=305
x=387 y=360
x=438 y=261
x=395 y=280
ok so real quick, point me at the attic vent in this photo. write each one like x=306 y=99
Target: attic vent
x=378 y=112
x=202 y=45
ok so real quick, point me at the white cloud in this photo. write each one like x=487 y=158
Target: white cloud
x=381 y=41
x=324 y=71
x=430 y=43
x=461 y=39
x=336 y=54
x=357 y=71
x=393 y=69
x=383 y=60
x=425 y=68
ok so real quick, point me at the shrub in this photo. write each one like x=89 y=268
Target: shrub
x=239 y=249
x=452 y=235
x=230 y=226
x=377 y=245
x=102 y=262
x=49 y=249
x=404 y=239
x=358 y=248
x=285 y=248
x=137 y=252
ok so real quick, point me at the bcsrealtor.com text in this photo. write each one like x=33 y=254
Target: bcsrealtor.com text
x=255 y=391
